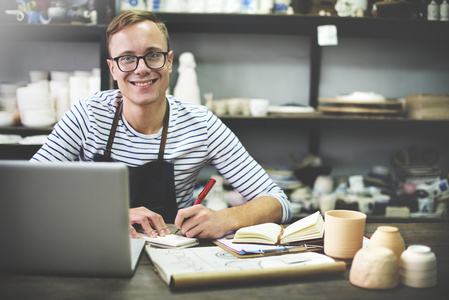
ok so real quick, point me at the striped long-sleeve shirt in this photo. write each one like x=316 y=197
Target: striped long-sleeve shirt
x=196 y=137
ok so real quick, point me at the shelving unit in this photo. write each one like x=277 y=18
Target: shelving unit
x=371 y=28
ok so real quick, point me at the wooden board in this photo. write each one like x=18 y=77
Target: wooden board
x=374 y=107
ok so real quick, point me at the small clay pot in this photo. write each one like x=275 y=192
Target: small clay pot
x=375 y=268
x=388 y=237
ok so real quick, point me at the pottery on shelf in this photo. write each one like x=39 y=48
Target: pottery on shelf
x=375 y=268
x=388 y=237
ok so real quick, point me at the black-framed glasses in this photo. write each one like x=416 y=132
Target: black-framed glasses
x=153 y=60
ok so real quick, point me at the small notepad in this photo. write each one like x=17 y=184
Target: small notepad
x=171 y=241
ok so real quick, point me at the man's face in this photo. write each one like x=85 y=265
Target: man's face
x=143 y=85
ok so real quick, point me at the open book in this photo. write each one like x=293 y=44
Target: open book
x=308 y=228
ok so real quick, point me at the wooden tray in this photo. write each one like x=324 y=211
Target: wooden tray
x=365 y=107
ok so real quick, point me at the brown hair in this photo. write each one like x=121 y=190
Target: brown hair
x=131 y=17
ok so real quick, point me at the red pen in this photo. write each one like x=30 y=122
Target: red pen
x=205 y=191
x=203 y=194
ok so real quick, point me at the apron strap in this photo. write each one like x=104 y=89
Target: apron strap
x=118 y=112
x=164 y=133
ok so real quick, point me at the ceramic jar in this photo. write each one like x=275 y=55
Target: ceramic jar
x=418 y=267
x=388 y=237
x=375 y=268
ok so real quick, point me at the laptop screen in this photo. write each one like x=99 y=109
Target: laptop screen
x=66 y=218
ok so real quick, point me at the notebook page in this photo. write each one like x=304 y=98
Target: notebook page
x=170 y=241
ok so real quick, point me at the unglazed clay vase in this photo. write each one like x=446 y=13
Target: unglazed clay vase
x=343 y=233
x=388 y=237
x=418 y=267
x=375 y=268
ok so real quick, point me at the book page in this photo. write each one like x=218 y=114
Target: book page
x=305 y=226
x=302 y=223
x=267 y=233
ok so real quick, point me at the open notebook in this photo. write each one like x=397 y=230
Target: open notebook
x=66 y=219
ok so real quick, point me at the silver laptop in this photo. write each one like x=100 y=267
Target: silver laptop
x=66 y=219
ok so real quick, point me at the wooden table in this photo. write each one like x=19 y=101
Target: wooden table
x=146 y=284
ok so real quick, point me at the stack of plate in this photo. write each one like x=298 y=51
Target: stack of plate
x=36 y=107
x=418 y=267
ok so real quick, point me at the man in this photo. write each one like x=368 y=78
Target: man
x=164 y=141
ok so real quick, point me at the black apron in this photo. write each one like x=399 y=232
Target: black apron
x=151 y=185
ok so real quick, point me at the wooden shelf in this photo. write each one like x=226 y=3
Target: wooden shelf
x=25 y=131
x=324 y=121
x=305 y=25
x=304 y=119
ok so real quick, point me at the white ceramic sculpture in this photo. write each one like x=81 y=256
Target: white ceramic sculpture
x=186 y=87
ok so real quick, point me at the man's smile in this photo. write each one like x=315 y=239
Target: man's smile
x=143 y=83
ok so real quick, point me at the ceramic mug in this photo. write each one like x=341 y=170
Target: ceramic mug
x=343 y=233
x=258 y=107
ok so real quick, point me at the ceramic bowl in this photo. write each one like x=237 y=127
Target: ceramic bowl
x=6 y=118
x=418 y=258
x=388 y=237
x=9 y=89
x=375 y=268
x=34 y=103
x=37 y=75
x=37 y=117
x=60 y=76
